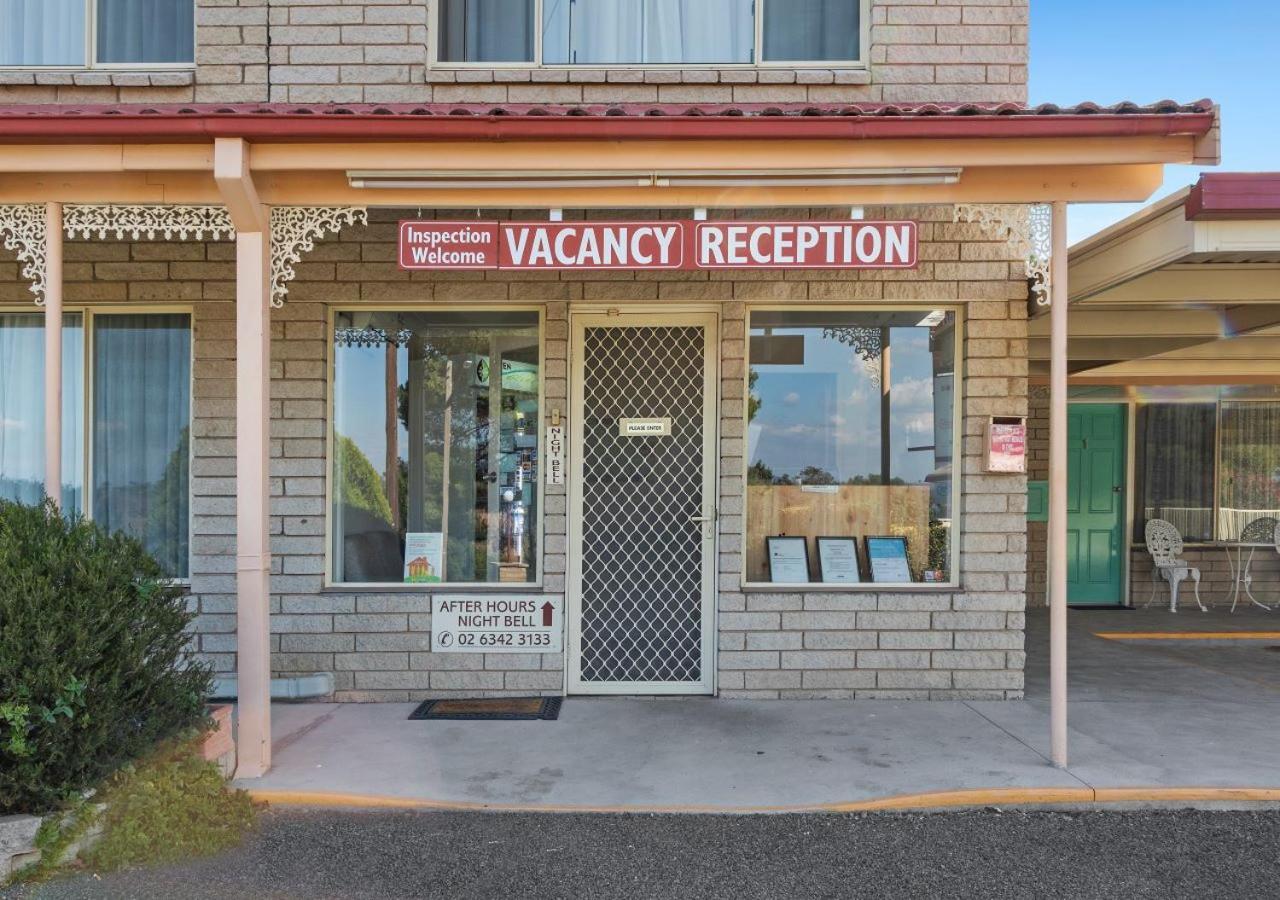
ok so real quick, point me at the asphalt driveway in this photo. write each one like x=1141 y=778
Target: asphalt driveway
x=989 y=854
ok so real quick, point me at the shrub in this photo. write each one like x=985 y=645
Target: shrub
x=94 y=660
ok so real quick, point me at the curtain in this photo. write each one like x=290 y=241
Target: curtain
x=601 y=32
x=811 y=30
x=141 y=431
x=22 y=409
x=146 y=31
x=1174 y=470
x=1249 y=466
x=42 y=32
x=486 y=31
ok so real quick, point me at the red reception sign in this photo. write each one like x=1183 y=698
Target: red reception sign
x=670 y=244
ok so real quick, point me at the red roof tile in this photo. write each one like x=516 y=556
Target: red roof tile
x=452 y=121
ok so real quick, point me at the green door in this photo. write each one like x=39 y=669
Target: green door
x=1095 y=503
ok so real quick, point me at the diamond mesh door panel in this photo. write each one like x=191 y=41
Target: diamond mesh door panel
x=642 y=557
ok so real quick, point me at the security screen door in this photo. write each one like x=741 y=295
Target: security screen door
x=642 y=504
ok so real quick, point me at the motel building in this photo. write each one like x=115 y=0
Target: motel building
x=703 y=348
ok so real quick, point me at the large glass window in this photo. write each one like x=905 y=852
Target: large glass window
x=1174 y=474
x=435 y=447
x=141 y=429
x=649 y=32
x=1208 y=465
x=136 y=371
x=817 y=30
x=603 y=32
x=127 y=32
x=486 y=30
x=1249 y=466
x=22 y=409
x=850 y=435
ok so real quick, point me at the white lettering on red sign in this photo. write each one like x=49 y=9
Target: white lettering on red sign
x=595 y=245
x=658 y=245
x=806 y=245
x=448 y=245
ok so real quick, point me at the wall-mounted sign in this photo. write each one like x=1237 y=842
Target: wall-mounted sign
x=531 y=623
x=554 y=463
x=1007 y=445
x=644 y=427
x=664 y=244
x=448 y=245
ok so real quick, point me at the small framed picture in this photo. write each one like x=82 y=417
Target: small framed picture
x=788 y=559
x=887 y=559
x=838 y=560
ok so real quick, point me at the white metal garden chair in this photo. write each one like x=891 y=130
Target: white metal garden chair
x=1164 y=543
x=1259 y=532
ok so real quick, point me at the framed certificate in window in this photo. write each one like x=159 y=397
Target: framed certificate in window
x=838 y=560
x=887 y=560
x=788 y=559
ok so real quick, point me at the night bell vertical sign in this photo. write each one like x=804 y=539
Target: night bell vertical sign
x=555 y=453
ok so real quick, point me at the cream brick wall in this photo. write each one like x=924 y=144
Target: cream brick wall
x=375 y=51
x=965 y=643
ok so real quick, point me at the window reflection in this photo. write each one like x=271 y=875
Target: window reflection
x=850 y=432
x=435 y=447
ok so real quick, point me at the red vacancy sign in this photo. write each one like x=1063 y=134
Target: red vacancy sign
x=670 y=244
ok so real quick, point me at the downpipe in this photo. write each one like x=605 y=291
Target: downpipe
x=297 y=687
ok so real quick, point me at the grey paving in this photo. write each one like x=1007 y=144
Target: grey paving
x=1142 y=715
x=983 y=854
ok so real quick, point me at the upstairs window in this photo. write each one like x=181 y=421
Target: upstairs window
x=89 y=33
x=650 y=32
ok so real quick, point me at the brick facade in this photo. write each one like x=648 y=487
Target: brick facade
x=901 y=644
x=908 y=643
x=376 y=51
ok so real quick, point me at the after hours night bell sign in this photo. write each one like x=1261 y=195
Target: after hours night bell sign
x=664 y=244
x=516 y=623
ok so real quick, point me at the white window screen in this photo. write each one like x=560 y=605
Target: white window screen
x=812 y=30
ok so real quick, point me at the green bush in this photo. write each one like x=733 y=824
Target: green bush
x=94 y=660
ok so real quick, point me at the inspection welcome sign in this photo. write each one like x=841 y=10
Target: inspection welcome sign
x=666 y=244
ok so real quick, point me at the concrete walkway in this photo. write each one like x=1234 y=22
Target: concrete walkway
x=1144 y=714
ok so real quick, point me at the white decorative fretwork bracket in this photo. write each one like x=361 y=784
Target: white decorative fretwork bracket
x=194 y=222
x=22 y=228
x=1028 y=228
x=294 y=231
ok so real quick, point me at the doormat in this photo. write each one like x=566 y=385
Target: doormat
x=499 y=709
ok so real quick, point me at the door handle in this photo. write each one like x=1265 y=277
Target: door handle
x=700 y=519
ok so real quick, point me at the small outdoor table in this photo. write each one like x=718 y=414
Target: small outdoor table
x=1258 y=533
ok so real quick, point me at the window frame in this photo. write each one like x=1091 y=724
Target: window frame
x=954 y=583
x=91 y=63
x=87 y=314
x=860 y=64
x=1219 y=399
x=330 y=585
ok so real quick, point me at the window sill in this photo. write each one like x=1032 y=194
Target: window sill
x=477 y=73
x=818 y=587
x=140 y=77
x=497 y=587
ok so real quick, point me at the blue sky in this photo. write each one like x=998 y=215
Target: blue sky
x=1147 y=50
